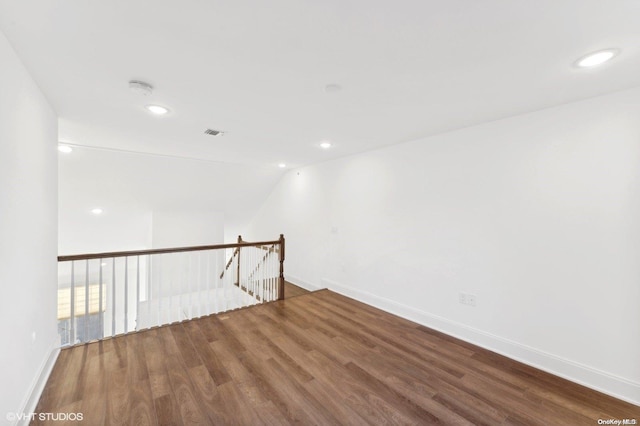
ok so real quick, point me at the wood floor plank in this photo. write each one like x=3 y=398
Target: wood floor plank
x=296 y=370
x=208 y=330
x=353 y=335
x=188 y=353
x=372 y=337
x=337 y=379
x=292 y=290
x=217 y=322
x=188 y=403
x=142 y=411
x=167 y=411
x=68 y=388
x=154 y=358
x=93 y=387
x=268 y=415
x=117 y=397
x=298 y=395
x=333 y=401
x=243 y=326
x=208 y=393
x=272 y=390
x=216 y=370
x=407 y=337
x=314 y=358
x=400 y=403
x=250 y=385
x=165 y=404
x=235 y=405
x=416 y=389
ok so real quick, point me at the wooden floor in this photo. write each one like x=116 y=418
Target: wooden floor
x=318 y=358
x=292 y=290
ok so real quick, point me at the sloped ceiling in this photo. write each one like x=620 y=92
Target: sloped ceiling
x=129 y=186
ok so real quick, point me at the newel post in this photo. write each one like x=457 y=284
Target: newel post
x=238 y=271
x=281 y=279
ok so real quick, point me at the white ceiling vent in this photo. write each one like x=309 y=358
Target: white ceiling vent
x=213 y=132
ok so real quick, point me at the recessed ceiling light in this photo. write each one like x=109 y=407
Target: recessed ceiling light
x=282 y=165
x=157 y=109
x=97 y=210
x=325 y=145
x=596 y=58
x=65 y=148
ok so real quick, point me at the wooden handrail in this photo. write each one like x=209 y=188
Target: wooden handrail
x=161 y=251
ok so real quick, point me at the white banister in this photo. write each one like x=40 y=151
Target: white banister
x=157 y=287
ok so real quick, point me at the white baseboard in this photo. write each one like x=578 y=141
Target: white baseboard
x=301 y=283
x=601 y=381
x=39 y=382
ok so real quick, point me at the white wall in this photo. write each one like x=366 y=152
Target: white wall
x=28 y=232
x=114 y=230
x=153 y=201
x=181 y=228
x=537 y=215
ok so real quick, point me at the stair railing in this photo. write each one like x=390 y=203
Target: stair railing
x=102 y=295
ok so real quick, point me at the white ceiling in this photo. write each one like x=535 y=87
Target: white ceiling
x=257 y=69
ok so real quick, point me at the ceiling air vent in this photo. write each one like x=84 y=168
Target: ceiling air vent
x=214 y=132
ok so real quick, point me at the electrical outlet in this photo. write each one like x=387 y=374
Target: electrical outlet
x=471 y=299
x=467 y=299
